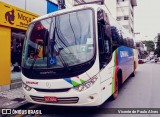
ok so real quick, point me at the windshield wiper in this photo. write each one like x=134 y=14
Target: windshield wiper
x=52 y=45
x=61 y=58
x=45 y=42
x=54 y=48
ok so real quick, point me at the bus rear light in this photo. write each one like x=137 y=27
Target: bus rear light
x=26 y=87
x=86 y=85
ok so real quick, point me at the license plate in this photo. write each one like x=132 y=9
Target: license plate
x=50 y=99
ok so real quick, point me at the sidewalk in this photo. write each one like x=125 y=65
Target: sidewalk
x=12 y=98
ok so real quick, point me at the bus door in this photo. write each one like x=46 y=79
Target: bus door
x=104 y=43
x=104 y=38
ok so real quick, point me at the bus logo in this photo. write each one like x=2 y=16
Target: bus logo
x=9 y=16
x=124 y=54
x=28 y=82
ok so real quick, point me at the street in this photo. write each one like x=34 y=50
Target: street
x=141 y=91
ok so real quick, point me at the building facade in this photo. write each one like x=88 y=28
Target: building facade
x=15 y=18
x=125 y=14
x=156 y=39
x=141 y=49
x=110 y=4
x=40 y=7
x=122 y=10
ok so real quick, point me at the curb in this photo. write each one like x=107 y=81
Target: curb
x=17 y=83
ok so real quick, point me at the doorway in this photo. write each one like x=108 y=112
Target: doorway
x=17 y=39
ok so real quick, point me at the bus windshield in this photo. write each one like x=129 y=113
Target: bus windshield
x=61 y=41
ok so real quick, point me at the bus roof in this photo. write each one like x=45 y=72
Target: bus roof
x=94 y=6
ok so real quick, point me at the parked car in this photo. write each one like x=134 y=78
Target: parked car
x=156 y=59
x=140 y=61
x=152 y=61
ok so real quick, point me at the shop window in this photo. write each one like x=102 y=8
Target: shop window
x=17 y=39
x=126 y=18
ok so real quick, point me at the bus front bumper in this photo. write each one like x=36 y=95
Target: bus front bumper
x=88 y=97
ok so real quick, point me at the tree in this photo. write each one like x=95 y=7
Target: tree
x=157 y=50
x=150 y=45
x=144 y=42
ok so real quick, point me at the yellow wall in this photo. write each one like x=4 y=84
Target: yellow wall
x=5 y=41
x=12 y=16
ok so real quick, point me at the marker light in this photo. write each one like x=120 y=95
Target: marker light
x=26 y=87
x=86 y=85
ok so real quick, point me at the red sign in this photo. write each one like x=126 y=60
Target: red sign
x=28 y=82
x=50 y=99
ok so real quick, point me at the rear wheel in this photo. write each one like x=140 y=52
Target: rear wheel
x=133 y=74
x=115 y=94
x=118 y=84
x=134 y=70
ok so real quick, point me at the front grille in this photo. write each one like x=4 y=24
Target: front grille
x=52 y=90
x=61 y=100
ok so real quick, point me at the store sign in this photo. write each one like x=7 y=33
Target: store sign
x=15 y=17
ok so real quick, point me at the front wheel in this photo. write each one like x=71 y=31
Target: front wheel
x=115 y=94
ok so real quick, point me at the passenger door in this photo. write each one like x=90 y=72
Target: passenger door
x=104 y=45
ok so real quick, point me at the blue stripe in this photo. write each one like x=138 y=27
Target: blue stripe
x=68 y=80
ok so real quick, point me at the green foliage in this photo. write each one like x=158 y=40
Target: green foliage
x=144 y=42
x=158 y=42
x=157 y=50
x=150 y=45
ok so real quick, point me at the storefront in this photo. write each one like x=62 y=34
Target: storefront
x=13 y=25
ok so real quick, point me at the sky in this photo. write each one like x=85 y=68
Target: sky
x=147 y=18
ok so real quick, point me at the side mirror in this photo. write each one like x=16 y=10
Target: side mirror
x=100 y=17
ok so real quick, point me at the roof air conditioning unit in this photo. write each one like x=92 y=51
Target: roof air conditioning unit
x=80 y=2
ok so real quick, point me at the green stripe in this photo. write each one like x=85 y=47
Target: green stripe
x=82 y=81
x=75 y=83
x=114 y=69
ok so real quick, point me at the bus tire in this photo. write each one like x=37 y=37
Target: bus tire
x=115 y=94
x=133 y=74
x=118 y=84
x=134 y=69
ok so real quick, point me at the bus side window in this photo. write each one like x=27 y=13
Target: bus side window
x=104 y=38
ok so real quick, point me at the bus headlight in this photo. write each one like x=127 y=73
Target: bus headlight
x=86 y=85
x=26 y=87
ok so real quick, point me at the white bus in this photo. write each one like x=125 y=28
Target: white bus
x=76 y=57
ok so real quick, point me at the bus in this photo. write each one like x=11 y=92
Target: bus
x=76 y=57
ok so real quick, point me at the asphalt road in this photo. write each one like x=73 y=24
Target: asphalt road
x=141 y=91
